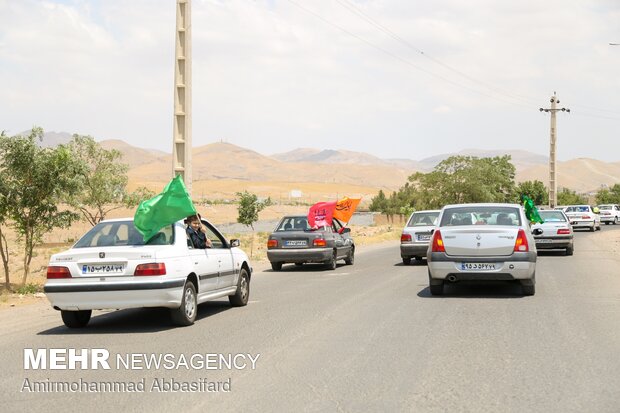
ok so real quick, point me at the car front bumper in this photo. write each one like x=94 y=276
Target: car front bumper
x=518 y=266
x=89 y=295
x=300 y=255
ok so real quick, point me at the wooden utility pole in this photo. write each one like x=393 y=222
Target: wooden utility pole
x=182 y=128
x=553 y=185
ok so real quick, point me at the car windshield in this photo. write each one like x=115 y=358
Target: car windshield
x=423 y=218
x=122 y=233
x=293 y=224
x=552 y=216
x=481 y=215
x=581 y=208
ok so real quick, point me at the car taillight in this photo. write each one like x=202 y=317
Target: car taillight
x=272 y=243
x=437 y=245
x=521 y=244
x=54 y=272
x=405 y=237
x=586 y=217
x=319 y=242
x=151 y=269
x=563 y=231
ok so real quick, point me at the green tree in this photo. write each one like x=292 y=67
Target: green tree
x=37 y=180
x=378 y=203
x=4 y=215
x=463 y=179
x=249 y=208
x=103 y=181
x=536 y=190
x=609 y=196
x=568 y=197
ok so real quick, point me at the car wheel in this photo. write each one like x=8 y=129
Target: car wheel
x=185 y=315
x=570 y=249
x=407 y=261
x=529 y=286
x=75 y=319
x=241 y=296
x=331 y=263
x=436 y=286
x=418 y=258
x=615 y=220
x=276 y=266
x=592 y=228
x=606 y=222
x=350 y=260
x=599 y=227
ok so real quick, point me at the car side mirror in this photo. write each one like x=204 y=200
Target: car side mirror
x=537 y=231
x=234 y=243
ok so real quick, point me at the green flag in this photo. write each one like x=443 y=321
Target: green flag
x=531 y=212
x=164 y=209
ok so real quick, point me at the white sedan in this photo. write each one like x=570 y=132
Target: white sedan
x=111 y=267
x=584 y=216
x=482 y=242
x=610 y=213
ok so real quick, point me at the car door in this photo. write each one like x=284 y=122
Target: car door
x=342 y=240
x=220 y=254
x=205 y=269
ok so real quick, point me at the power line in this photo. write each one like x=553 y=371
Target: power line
x=401 y=59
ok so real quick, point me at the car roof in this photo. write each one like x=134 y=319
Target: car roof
x=426 y=210
x=487 y=204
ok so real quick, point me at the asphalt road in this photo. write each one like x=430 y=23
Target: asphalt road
x=367 y=337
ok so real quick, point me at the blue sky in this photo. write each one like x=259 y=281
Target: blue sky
x=396 y=78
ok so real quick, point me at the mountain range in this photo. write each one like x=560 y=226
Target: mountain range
x=227 y=162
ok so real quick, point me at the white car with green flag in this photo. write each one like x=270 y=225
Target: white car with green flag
x=149 y=261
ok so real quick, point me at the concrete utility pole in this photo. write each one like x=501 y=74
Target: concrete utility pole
x=553 y=184
x=182 y=128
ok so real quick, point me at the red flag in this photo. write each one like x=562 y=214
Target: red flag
x=321 y=213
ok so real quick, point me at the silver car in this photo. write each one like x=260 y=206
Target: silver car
x=417 y=235
x=482 y=242
x=293 y=241
x=557 y=232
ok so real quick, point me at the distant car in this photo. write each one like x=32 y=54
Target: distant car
x=610 y=213
x=485 y=242
x=111 y=267
x=583 y=216
x=557 y=232
x=417 y=234
x=293 y=241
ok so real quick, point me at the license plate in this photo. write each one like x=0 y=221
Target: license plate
x=425 y=237
x=543 y=240
x=477 y=266
x=103 y=269
x=295 y=243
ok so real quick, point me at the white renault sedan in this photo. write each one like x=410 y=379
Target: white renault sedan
x=610 y=213
x=111 y=267
x=584 y=216
x=417 y=234
x=482 y=242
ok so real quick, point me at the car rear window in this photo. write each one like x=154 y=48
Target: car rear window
x=604 y=207
x=293 y=224
x=423 y=218
x=481 y=215
x=578 y=209
x=552 y=216
x=122 y=233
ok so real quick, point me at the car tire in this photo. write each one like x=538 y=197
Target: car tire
x=76 y=319
x=276 y=266
x=407 y=261
x=436 y=286
x=529 y=286
x=185 y=315
x=418 y=259
x=606 y=222
x=350 y=260
x=599 y=227
x=241 y=296
x=570 y=249
x=592 y=228
x=331 y=263
x=616 y=220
